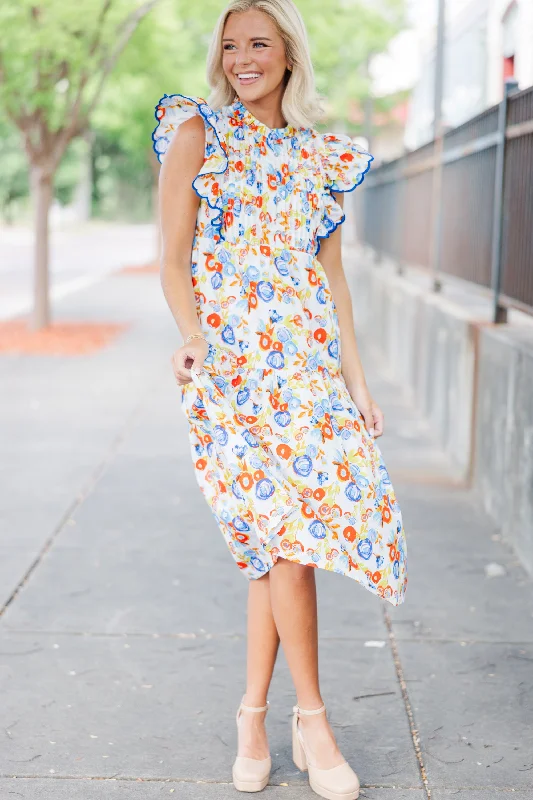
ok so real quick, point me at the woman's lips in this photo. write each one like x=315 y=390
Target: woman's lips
x=246 y=81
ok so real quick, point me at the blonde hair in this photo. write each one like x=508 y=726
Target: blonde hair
x=301 y=106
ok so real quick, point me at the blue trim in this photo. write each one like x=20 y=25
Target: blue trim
x=329 y=188
x=216 y=222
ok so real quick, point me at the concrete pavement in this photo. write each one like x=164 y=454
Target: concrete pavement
x=122 y=652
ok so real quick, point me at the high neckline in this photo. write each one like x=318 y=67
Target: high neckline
x=249 y=119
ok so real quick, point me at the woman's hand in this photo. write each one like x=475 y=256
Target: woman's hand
x=372 y=414
x=188 y=357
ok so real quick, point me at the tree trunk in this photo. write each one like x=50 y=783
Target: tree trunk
x=42 y=193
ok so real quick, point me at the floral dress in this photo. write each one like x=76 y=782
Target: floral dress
x=281 y=452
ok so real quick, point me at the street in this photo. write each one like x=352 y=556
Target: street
x=79 y=255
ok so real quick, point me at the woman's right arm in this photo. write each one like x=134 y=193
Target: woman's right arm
x=178 y=209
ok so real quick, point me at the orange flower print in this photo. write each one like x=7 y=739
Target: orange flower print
x=386 y=514
x=307 y=511
x=350 y=534
x=214 y=320
x=283 y=451
x=246 y=481
x=327 y=431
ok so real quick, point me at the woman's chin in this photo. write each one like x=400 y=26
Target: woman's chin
x=251 y=94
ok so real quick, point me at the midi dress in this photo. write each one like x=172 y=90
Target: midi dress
x=280 y=450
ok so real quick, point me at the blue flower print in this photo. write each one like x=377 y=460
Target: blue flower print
x=303 y=466
x=353 y=492
x=317 y=529
x=364 y=548
x=275 y=359
x=264 y=489
x=220 y=435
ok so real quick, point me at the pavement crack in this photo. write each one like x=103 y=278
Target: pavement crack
x=84 y=493
x=443 y=760
x=25 y=760
x=407 y=703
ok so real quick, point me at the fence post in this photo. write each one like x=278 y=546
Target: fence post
x=499 y=312
x=438 y=147
x=399 y=217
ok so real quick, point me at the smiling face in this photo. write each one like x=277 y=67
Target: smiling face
x=254 y=59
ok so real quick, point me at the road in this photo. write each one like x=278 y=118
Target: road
x=79 y=255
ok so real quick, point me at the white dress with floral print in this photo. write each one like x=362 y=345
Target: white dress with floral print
x=281 y=452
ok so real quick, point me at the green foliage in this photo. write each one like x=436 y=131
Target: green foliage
x=50 y=50
x=68 y=174
x=163 y=56
x=13 y=172
x=343 y=37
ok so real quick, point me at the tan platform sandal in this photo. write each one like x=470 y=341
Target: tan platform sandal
x=251 y=774
x=337 y=783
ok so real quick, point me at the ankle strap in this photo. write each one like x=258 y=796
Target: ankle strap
x=251 y=708
x=303 y=712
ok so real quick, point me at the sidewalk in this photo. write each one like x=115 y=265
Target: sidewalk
x=122 y=653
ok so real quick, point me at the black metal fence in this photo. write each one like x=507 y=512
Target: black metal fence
x=462 y=206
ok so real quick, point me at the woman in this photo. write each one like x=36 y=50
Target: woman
x=282 y=424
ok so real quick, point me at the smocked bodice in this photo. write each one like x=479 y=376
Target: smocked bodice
x=261 y=186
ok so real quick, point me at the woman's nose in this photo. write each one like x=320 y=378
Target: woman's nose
x=243 y=57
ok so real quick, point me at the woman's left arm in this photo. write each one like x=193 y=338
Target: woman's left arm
x=330 y=257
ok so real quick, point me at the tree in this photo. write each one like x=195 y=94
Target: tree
x=343 y=35
x=163 y=57
x=55 y=58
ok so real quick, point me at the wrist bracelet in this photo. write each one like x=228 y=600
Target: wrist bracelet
x=195 y=336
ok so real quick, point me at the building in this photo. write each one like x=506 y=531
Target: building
x=487 y=41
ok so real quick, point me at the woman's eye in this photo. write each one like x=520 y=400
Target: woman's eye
x=229 y=46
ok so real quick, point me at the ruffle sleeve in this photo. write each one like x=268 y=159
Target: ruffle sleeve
x=170 y=112
x=345 y=166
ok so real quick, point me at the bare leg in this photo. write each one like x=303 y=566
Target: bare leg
x=293 y=598
x=262 y=649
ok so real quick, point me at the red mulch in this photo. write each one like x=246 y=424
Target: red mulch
x=152 y=266
x=58 y=339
